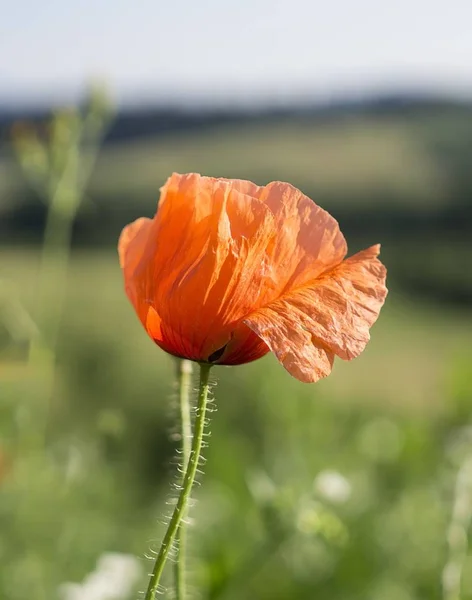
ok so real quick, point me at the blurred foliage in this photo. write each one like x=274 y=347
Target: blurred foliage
x=351 y=489
x=391 y=424
x=397 y=174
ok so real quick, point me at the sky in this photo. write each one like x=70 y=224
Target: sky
x=233 y=51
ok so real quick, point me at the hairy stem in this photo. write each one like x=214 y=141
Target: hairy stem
x=184 y=377
x=189 y=478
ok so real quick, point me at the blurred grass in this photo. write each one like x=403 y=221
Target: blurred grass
x=395 y=422
x=386 y=421
x=406 y=362
x=358 y=154
x=402 y=179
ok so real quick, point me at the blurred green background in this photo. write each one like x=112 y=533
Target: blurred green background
x=343 y=489
x=356 y=488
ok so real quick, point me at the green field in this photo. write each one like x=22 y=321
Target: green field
x=350 y=157
x=87 y=435
x=390 y=422
x=413 y=350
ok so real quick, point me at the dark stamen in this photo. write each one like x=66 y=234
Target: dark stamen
x=214 y=356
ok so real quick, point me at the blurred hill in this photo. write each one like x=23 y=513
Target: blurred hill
x=394 y=169
x=144 y=122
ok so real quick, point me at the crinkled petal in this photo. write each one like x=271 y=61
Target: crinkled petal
x=202 y=269
x=330 y=316
x=309 y=241
x=227 y=270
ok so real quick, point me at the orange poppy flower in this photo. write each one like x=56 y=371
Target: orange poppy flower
x=227 y=271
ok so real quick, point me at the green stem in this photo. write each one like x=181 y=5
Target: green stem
x=185 y=377
x=54 y=264
x=189 y=478
x=53 y=273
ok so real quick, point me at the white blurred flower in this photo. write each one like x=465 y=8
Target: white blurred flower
x=261 y=486
x=332 y=486
x=113 y=579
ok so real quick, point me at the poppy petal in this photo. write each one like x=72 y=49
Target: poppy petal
x=309 y=241
x=307 y=326
x=243 y=347
x=131 y=244
x=203 y=265
x=228 y=270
